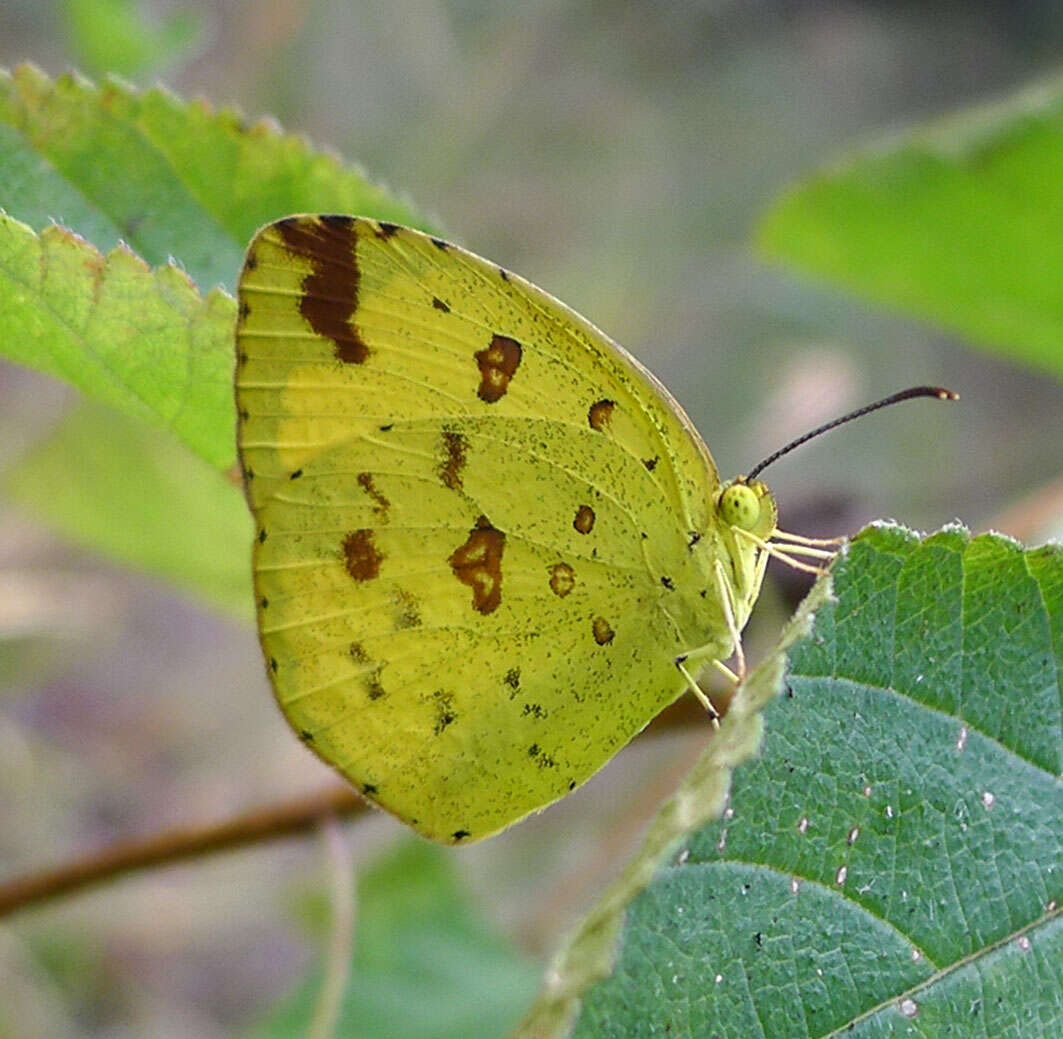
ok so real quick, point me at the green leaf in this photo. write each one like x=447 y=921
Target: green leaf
x=137 y=496
x=892 y=863
x=955 y=222
x=115 y=36
x=171 y=178
x=425 y=965
x=142 y=341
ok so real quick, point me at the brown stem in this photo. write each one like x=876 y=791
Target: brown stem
x=275 y=820
x=279 y=819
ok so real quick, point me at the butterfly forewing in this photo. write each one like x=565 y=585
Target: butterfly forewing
x=473 y=511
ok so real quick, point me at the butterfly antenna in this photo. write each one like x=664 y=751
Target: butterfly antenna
x=894 y=398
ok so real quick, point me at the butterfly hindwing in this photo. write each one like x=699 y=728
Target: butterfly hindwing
x=473 y=512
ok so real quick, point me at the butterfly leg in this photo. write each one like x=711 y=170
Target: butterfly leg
x=782 y=535
x=723 y=589
x=727 y=603
x=692 y=685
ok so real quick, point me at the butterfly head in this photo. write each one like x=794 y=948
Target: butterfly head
x=748 y=505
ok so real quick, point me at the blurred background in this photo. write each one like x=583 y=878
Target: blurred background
x=617 y=154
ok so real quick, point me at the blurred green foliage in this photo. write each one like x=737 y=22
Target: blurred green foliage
x=956 y=221
x=618 y=155
x=425 y=964
x=117 y=36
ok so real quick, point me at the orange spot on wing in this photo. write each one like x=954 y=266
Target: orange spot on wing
x=562 y=579
x=584 y=521
x=603 y=634
x=498 y=364
x=600 y=413
x=380 y=503
x=478 y=563
x=361 y=556
x=450 y=469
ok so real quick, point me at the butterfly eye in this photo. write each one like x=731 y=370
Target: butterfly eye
x=740 y=506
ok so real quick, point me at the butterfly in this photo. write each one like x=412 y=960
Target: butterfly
x=490 y=546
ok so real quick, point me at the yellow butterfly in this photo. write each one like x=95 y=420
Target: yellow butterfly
x=490 y=545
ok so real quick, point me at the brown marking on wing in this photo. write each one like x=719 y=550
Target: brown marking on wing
x=408 y=612
x=603 y=634
x=600 y=413
x=445 y=714
x=584 y=521
x=330 y=289
x=450 y=469
x=541 y=758
x=380 y=503
x=358 y=653
x=562 y=579
x=440 y=305
x=361 y=556
x=373 y=686
x=651 y=463
x=478 y=563
x=512 y=678
x=498 y=364
x=385 y=230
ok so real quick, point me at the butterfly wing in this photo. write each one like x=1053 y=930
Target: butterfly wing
x=475 y=516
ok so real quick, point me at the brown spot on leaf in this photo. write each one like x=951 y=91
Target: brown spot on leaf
x=603 y=634
x=584 y=521
x=450 y=469
x=498 y=364
x=440 y=305
x=330 y=289
x=478 y=563
x=380 y=503
x=562 y=579
x=600 y=413
x=361 y=556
